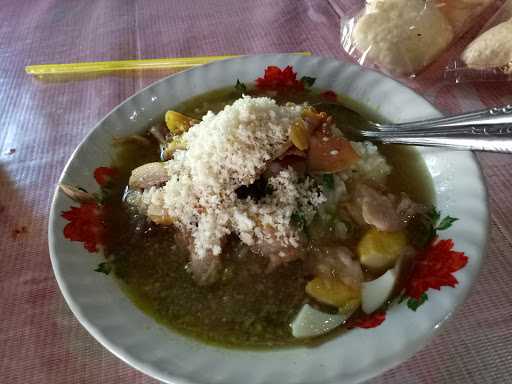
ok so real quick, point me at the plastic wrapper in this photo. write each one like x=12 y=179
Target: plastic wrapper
x=488 y=55
x=403 y=37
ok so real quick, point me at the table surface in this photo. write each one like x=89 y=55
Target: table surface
x=41 y=122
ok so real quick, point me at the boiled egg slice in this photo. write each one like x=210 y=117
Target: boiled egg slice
x=375 y=293
x=311 y=322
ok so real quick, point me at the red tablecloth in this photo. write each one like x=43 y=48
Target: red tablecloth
x=42 y=122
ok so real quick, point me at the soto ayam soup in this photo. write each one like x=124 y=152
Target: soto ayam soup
x=248 y=219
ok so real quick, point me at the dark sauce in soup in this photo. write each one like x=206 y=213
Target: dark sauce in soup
x=247 y=308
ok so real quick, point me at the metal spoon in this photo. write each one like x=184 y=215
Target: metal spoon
x=486 y=130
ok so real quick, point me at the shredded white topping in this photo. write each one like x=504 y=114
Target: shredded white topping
x=270 y=220
x=225 y=151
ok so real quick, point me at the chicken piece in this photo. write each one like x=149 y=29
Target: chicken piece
x=148 y=175
x=386 y=212
x=334 y=262
x=205 y=270
x=276 y=251
x=278 y=254
x=407 y=208
x=378 y=209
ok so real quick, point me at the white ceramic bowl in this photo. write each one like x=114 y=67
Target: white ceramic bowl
x=101 y=307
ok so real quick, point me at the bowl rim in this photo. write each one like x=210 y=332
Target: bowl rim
x=146 y=368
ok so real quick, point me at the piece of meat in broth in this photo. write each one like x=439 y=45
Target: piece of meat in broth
x=407 y=208
x=276 y=251
x=384 y=211
x=379 y=209
x=334 y=262
x=205 y=270
x=148 y=175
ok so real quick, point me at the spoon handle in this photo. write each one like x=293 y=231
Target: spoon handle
x=494 y=115
x=489 y=137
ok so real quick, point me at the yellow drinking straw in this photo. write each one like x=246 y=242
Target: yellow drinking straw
x=122 y=65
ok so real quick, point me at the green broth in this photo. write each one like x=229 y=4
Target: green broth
x=247 y=308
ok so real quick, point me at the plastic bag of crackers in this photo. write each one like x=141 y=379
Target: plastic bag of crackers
x=488 y=55
x=405 y=37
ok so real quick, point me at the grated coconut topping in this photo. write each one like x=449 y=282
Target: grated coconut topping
x=225 y=151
